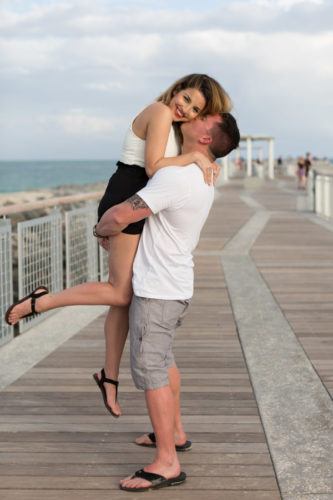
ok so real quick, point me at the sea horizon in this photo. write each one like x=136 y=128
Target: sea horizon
x=29 y=175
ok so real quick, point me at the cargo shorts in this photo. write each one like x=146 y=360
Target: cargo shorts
x=153 y=323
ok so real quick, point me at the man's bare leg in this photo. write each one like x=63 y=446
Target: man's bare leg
x=161 y=408
x=179 y=434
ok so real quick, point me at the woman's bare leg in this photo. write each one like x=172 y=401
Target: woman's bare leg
x=121 y=256
x=117 y=291
x=116 y=330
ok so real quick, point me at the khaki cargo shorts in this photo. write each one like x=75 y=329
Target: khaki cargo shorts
x=152 y=327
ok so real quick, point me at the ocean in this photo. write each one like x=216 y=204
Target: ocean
x=28 y=175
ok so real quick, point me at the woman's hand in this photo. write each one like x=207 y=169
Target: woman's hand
x=208 y=168
x=216 y=171
x=105 y=243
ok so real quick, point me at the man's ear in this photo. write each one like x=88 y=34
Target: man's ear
x=206 y=139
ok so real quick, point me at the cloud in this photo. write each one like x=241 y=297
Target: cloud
x=88 y=67
x=25 y=56
x=80 y=123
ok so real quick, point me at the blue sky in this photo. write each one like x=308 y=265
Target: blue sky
x=74 y=72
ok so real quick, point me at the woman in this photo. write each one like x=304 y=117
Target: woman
x=301 y=172
x=150 y=144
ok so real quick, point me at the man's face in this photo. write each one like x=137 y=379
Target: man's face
x=199 y=127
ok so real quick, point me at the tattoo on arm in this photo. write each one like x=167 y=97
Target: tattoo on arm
x=136 y=202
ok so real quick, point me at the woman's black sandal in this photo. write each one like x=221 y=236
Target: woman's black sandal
x=100 y=382
x=33 y=296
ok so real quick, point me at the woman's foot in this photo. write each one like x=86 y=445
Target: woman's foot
x=28 y=306
x=109 y=392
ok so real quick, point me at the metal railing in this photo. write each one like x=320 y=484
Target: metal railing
x=81 y=247
x=44 y=251
x=6 y=281
x=103 y=264
x=39 y=258
x=320 y=191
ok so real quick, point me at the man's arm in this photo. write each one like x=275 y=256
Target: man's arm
x=118 y=217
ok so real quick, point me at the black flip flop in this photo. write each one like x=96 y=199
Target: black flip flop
x=100 y=384
x=33 y=296
x=183 y=447
x=156 y=481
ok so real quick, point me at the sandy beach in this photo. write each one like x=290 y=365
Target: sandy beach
x=31 y=196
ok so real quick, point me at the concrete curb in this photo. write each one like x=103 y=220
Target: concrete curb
x=24 y=351
x=295 y=408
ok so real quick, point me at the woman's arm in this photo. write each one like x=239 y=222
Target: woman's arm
x=159 y=123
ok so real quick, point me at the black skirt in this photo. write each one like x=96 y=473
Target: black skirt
x=126 y=181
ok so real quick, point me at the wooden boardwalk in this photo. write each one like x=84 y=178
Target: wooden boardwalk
x=58 y=442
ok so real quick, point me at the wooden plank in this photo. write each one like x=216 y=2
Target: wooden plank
x=57 y=441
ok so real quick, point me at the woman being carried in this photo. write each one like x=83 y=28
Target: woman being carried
x=150 y=144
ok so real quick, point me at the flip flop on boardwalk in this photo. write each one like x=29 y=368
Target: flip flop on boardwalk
x=182 y=447
x=156 y=481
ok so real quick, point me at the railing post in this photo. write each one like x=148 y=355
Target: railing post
x=318 y=196
x=249 y=168
x=225 y=168
x=6 y=279
x=56 y=252
x=271 y=158
x=313 y=174
x=327 y=196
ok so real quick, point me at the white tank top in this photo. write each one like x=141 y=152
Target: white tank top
x=134 y=148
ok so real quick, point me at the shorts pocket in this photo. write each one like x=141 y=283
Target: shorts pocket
x=174 y=312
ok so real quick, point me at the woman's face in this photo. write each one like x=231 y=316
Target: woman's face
x=187 y=104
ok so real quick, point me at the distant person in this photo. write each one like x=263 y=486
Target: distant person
x=280 y=165
x=239 y=163
x=150 y=144
x=301 y=173
x=308 y=165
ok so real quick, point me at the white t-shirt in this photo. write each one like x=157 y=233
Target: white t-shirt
x=180 y=201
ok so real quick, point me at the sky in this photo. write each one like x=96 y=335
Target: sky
x=75 y=72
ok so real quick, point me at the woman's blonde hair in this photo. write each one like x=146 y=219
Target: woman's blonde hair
x=217 y=99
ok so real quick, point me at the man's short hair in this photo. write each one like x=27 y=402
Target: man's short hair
x=225 y=136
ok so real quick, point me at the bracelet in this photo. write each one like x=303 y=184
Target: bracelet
x=96 y=234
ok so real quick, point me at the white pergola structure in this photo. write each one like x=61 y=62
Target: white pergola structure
x=249 y=139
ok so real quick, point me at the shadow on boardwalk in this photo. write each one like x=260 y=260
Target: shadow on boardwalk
x=258 y=333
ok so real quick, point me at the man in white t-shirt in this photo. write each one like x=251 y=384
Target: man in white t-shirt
x=176 y=203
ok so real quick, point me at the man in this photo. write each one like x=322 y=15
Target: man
x=308 y=164
x=176 y=203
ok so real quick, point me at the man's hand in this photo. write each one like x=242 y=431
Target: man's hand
x=114 y=220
